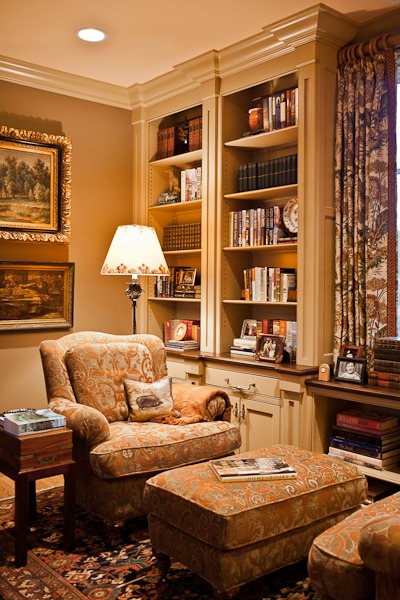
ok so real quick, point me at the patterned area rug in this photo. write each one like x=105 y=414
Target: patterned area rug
x=96 y=572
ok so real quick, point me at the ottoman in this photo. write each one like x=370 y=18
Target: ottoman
x=231 y=533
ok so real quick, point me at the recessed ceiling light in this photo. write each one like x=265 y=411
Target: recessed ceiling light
x=90 y=34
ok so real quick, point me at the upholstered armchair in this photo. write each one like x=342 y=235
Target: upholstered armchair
x=359 y=558
x=129 y=420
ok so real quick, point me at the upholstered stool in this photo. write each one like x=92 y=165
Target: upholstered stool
x=231 y=533
x=358 y=558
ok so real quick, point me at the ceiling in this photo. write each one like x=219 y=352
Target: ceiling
x=146 y=38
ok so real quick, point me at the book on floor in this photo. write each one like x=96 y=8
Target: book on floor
x=31 y=420
x=251 y=469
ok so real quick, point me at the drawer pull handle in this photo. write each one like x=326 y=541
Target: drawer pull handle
x=235 y=411
x=45 y=460
x=240 y=389
x=243 y=413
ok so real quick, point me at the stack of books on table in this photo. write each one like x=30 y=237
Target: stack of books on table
x=182 y=345
x=251 y=469
x=366 y=438
x=30 y=420
x=386 y=364
x=244 y=346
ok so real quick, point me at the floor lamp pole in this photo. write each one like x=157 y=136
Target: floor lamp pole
x=133 y=292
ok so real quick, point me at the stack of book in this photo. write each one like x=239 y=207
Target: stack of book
x=251 y=469
x=192 y=331
x=29 y=420
x=182 y=345
x=366 y=438
x=386 y=364
x=244 y=346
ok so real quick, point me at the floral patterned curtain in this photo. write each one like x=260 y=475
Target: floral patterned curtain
x=365 y=199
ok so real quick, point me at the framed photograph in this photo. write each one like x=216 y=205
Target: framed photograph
x=35 y=186
x=249 y=328
x=351 y=370
x=270 y=347
x=351 y=351
x=187 y=277
x=36 y=295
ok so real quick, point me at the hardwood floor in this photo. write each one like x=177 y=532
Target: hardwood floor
x=7 y=484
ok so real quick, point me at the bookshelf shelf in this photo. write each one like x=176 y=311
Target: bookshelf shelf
x=274 y=193
x=279 y=137
x=182 y=252
x=173 y=299
x=261 y=303
x=270 y=248
x=176 y=207
x=178 y=160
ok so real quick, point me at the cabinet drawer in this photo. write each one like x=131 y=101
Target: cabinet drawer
x=266 y=386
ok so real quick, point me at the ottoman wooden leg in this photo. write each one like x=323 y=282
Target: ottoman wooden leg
x=163 y=562
x=220 y=595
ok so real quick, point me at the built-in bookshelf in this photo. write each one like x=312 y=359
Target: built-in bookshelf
x=175 y=202
x=259 y=181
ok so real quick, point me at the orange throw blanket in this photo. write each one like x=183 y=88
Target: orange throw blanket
x=197 y=403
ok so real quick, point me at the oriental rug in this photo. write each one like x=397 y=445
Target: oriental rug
x=95 y=571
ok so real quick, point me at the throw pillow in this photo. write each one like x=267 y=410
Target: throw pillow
x=148 y=400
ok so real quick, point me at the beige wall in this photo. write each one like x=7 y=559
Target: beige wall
x=101 y=200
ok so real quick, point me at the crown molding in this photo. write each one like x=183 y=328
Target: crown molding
x=318 y=23
x=51 y=80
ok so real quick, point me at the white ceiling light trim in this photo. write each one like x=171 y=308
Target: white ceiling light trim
x=91 y=34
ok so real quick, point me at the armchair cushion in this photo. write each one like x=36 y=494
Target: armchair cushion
x=97 y=372
x=148 y=400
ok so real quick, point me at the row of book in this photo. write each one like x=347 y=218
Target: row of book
x=176 y=285
x=191 y=184
x=191 y=339
x=270 y=173
x=270 y=284
x=186 y=236
x=178 y=139
x=246 y=345
x=275 y=111
x=261 y=226
x=385 y=370
x=366 y=438
x=29 y=420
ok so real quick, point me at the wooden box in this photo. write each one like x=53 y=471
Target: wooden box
x=36 y=450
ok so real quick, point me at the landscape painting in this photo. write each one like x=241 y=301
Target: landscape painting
x=34 y=186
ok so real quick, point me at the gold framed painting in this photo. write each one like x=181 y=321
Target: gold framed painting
x=36 y=295
x=35 y=186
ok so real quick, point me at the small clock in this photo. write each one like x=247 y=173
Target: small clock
x=290 y=215
x=180 y=332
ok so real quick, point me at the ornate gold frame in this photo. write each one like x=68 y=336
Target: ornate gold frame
x=56 y=151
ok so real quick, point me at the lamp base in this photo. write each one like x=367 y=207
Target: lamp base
x=133 y=291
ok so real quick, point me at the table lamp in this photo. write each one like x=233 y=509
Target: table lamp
x=135 y=250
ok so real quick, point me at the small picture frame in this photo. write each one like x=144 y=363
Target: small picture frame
x=349 y=351
x=249 y=328
x=187 y=277
x=180 y=332
x=270 y=347
x=351 y=370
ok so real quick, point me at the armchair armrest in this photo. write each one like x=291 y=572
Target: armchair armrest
x=379 y=544
x=87 y=422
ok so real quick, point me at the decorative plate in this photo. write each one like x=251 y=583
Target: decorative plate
x=290 y=215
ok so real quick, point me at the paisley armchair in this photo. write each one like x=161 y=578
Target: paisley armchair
x=89 y=378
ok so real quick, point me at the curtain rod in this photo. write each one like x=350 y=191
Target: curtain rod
x=370 y=48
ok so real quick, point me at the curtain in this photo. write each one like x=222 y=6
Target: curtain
x=365 y=199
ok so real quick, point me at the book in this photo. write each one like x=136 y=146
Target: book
x=390 y=437
x=369 y=461
x=361 y=462
x=31 y=420
x=249 y=352
x=251 y=469
x=371 y=419
x=364 y=449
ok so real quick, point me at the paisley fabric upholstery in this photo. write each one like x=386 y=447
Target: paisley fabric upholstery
x=230 y=533
x=84 y=375
x=97 y=373
x=354 y=558
x=148 y=447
